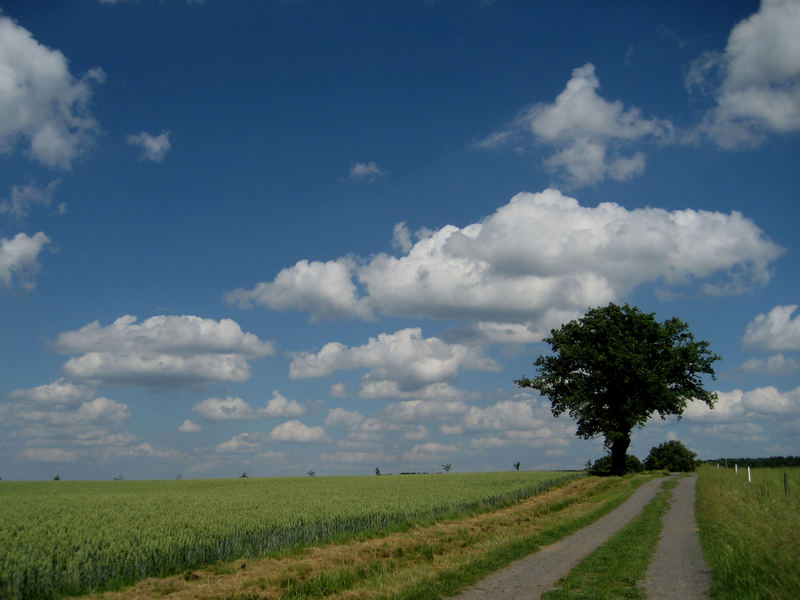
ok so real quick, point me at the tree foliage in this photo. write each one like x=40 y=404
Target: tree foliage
x=617 y=366
x=671 y=456
x=602 y=466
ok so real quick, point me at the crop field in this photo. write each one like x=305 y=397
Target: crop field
x=60 y=538
x=750 y=531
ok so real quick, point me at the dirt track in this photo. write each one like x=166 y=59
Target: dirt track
x=677 y=556
x=678 y=569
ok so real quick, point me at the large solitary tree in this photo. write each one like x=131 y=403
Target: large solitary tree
x=615 y=367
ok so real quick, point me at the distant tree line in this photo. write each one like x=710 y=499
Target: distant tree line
x=772 y=461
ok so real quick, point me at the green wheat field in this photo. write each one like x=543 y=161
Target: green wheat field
x=60 y=537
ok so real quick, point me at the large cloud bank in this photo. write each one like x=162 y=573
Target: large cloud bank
x=540 y=259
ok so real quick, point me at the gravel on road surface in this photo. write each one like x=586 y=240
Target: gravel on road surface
x=678 y=569
x=530 y=577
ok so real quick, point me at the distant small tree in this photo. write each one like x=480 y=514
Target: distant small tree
x=118 y=478
x=311 y=473
x=671 y=456
x=446 y=467
x=178 y=476
x=244 y=475
x=516 y=466
x=57 y=478
x=377 y=471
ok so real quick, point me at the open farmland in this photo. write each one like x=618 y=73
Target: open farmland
x=61 y=537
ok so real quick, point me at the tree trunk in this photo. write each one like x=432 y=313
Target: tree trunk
x=619 y=452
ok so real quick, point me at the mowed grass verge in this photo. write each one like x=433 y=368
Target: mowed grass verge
x=426 y=561
x=750 y=532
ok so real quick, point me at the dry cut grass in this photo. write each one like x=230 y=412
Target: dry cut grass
x=421 y=562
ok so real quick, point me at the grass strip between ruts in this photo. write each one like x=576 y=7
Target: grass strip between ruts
x=615 y=568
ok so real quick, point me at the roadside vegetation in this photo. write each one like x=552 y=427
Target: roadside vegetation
x=750 y=531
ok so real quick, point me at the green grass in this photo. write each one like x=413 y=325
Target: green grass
x=615 y=568
x=66 y=538
x=750 y=532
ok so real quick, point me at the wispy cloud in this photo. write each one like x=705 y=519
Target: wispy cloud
x=368 y=171
x=154 y=147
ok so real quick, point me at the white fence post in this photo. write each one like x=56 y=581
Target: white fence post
x=735 y=468
x=749 y=477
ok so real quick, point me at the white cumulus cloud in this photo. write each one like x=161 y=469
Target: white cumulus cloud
x=774 y=332
x=739 y=404
x=340 y=417
x=325 y=289
x=189 y=426
x=60 y=392
x=404 y=358
x=775 y=365
x=19 y=259
x=44 y=109
x=507 y=414
x=533 y=264
x=221 y=409
x=244 y=442
x=587 y=132
x=161 y=351
x=91 y=411
x=295 y=431
x=63 y=421
x=759 y=91
x=231 y=408
x=279 y=406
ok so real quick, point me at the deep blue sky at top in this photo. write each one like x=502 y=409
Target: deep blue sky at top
x=269 y=106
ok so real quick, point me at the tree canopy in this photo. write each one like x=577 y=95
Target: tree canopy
x=615 y=367
x=672 y=456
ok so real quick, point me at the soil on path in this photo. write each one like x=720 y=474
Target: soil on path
x=678 y=569
x=533 y=575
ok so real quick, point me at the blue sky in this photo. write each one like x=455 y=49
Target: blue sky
x=278 y=237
